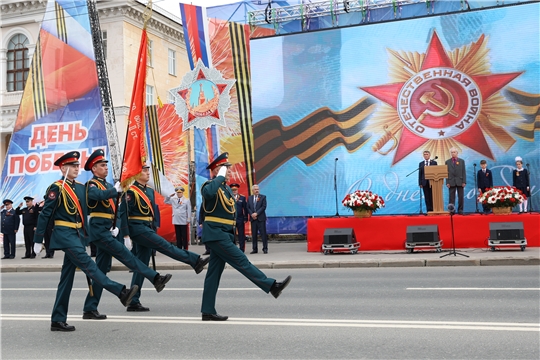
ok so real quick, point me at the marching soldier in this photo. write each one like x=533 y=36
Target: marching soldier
x=101 y=201
x=64 y=204
x=219 y=207
x=139 y=215
x=29 y=218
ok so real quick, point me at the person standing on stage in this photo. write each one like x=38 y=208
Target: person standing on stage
x=423 y=183
x=241 y=216
x=484 y=180
x=139 y=215
x=257 y=211
x=101 y=202
x=65 y=205
x=181 y=207
x=29 y=218
x=520 y=180
x=219 y=206
x=456 y=180
x=9 y=226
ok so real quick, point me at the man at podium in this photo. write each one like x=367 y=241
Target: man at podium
x=456 y=179
x=423 y=183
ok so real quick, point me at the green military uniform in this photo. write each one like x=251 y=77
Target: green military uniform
x=101 y=212
x=138 y=221
x=219 y=209
x=69 y=236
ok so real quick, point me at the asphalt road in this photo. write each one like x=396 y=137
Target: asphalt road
x=372 y=313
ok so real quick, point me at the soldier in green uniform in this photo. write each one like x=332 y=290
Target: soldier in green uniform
x=64 y=204
x=101 y=201
x=138 y=212
x=219 y=207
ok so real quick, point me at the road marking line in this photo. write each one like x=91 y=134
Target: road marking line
x=443 y=325
x=478 y=289
x=166 y=289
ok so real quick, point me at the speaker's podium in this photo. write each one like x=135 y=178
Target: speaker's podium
x=340 y=240
x=436 y=175
x=502 y=234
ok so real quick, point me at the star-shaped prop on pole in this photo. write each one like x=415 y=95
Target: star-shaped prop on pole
x=203 y=98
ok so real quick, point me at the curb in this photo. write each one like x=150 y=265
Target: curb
x=315 y=264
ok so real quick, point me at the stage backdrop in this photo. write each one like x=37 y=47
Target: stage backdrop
x=376 y=96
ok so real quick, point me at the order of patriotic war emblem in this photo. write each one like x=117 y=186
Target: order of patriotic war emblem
x=203 y=98
x=442 y=99
x=439 y=103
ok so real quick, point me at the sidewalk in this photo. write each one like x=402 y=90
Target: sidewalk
x=293 y=255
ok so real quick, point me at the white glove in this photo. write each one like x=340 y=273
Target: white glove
x=222 y=171
x=114 y=231
x=38 y=247
x=118 y=187
x=127 y=242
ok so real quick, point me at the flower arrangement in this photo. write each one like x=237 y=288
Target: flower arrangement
x=363 y=200
x=501 y=196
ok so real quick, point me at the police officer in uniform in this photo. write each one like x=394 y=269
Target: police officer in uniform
x=139 y=215
x=29 y=218
x=219 y=206
x=10 y=225
x=65 y=205
x=241 y=216
x=101 y=201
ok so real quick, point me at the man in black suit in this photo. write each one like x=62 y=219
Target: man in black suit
x=257 y=210
x=456 y=179
x=423 y=183
x=241 y=216
x=485 y=181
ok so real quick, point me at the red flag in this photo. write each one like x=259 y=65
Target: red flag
x=135 y=151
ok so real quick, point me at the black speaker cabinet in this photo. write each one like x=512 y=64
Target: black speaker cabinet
x=506 y=231
x=339 y=236
x=422 y=234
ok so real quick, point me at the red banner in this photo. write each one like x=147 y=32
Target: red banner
x=135 y=152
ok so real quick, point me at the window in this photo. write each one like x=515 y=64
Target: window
x=104 y=44
x=149 y=95
x=149 y=58
x=170 y=97
x=18 y=63
x=172 y=62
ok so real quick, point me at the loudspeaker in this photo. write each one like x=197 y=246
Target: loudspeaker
x=422 y=234
x=339 y=236
x=506 y=231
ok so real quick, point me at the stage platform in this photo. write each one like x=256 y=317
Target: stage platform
x=389 y=232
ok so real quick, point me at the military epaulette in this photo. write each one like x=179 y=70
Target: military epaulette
x=76 y=182
x=242 y=195
x=204 y=184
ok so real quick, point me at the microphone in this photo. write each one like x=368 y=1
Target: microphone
x=474 y=164
x=527 y=164
x=336 y=159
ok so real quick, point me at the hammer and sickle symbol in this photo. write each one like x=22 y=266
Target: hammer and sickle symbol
x=382 y=141
x=427 y=97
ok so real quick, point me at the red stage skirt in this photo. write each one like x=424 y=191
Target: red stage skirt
x=390 y=232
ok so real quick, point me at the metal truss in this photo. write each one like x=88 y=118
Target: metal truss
x=320 y=9
x=105 y=91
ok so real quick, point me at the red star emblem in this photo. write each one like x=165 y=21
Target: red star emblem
x=440 y=101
